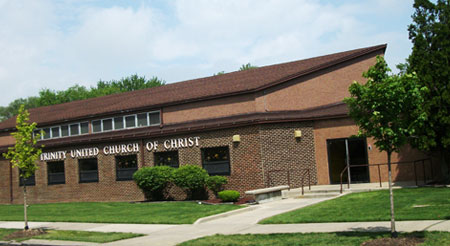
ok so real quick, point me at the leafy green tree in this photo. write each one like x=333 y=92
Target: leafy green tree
x=382 y=108
x=77 y=92
x=247 y=66
x=24 y=154
x=219 y=73
x=430 y=59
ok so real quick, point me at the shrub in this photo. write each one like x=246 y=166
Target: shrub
x=154 y=180
x=192 y=179
x=216 y=183
x=229 y=195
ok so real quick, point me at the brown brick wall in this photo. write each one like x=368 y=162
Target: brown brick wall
x=246 y=171
x=325 y=87
x=344 y=128
x=262 y=159
x=4 y=181
x=287 y=159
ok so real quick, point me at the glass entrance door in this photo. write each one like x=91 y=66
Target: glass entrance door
x=347 y=151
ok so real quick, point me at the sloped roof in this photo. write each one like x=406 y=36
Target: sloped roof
x=192 y=90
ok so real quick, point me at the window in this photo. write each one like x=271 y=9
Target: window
x=154 y=118
x=65 y=131
x=88 y=169
x=84 y=127
x=74 y=130
x=31 y=181
x=107 y=125
x=36 y=132
x=118 y=123
x=216 y=161
x=130 y=121
x=126 y=165
x=55 y=132
x=168 y=158
x=100 y=125
x=142 y=119
x=96 y=126
x=46 y=133
x=55 y=172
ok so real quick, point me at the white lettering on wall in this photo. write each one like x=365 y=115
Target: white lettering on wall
x=152 y=145
x=86 y=152
x=121 y=149
x=57 y=155
x=175 y=143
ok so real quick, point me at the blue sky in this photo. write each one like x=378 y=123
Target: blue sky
x=57 y=44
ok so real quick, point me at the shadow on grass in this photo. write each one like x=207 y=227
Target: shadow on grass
x=374 y=233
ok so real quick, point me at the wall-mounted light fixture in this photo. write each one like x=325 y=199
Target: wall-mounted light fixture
x=297 y=134
x=236 y=138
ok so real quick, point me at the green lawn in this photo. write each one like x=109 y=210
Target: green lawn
x=115 y=212
x=84 y=236
x=5 y=232
x=312 y=239
x=410 y=204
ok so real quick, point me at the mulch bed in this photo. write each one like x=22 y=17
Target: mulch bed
x=404 y=241
x=243 y=200
x=25 y=233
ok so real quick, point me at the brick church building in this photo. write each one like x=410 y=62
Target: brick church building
x=267 y=126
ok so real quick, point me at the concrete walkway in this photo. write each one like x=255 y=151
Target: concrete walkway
x=241 y=222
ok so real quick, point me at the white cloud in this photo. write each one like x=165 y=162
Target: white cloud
x=57 y=44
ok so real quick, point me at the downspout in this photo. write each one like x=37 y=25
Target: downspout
x=142 y=153
x=10 y=184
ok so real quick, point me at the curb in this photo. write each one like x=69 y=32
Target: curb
x=224 y=215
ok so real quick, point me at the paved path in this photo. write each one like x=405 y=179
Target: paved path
x=236 y=223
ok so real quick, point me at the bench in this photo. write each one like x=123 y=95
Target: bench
x=267 y=194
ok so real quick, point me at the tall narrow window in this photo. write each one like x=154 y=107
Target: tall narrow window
x=142 y=119
x=55 y=132
x=126 y=165
x=130 y=121
x=74 y=129
x=107 y=125
x=96 y=126
x=84 y=127
x=55 y=172
x=88 y=169
x=167 y=158
x=216 y=161
x=118 y=123
x=46 y=132
x=65 y=131
x=154 y=118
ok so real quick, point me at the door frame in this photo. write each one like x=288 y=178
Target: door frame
x=346 y=156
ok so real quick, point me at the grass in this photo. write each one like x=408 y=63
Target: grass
x=5 y=232
x=410 y=204
x=312 y=239
x=83 y=236
x=115 y=212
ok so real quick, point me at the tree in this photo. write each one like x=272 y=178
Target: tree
x=382 y=108
x=430 y=60
x=247 y=66
x=24 y=154
x=77 y=92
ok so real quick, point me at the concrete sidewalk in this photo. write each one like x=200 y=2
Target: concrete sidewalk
x=234 y=223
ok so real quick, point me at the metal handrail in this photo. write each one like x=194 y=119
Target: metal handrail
x=304 y=172
x=392 y=163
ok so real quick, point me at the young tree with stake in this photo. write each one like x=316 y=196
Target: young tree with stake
x=382 y=109
x=24 y=154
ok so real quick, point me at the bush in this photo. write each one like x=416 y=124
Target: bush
x=216 y=183
x=229 y=195
x=154 y=180
x=192 y=179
